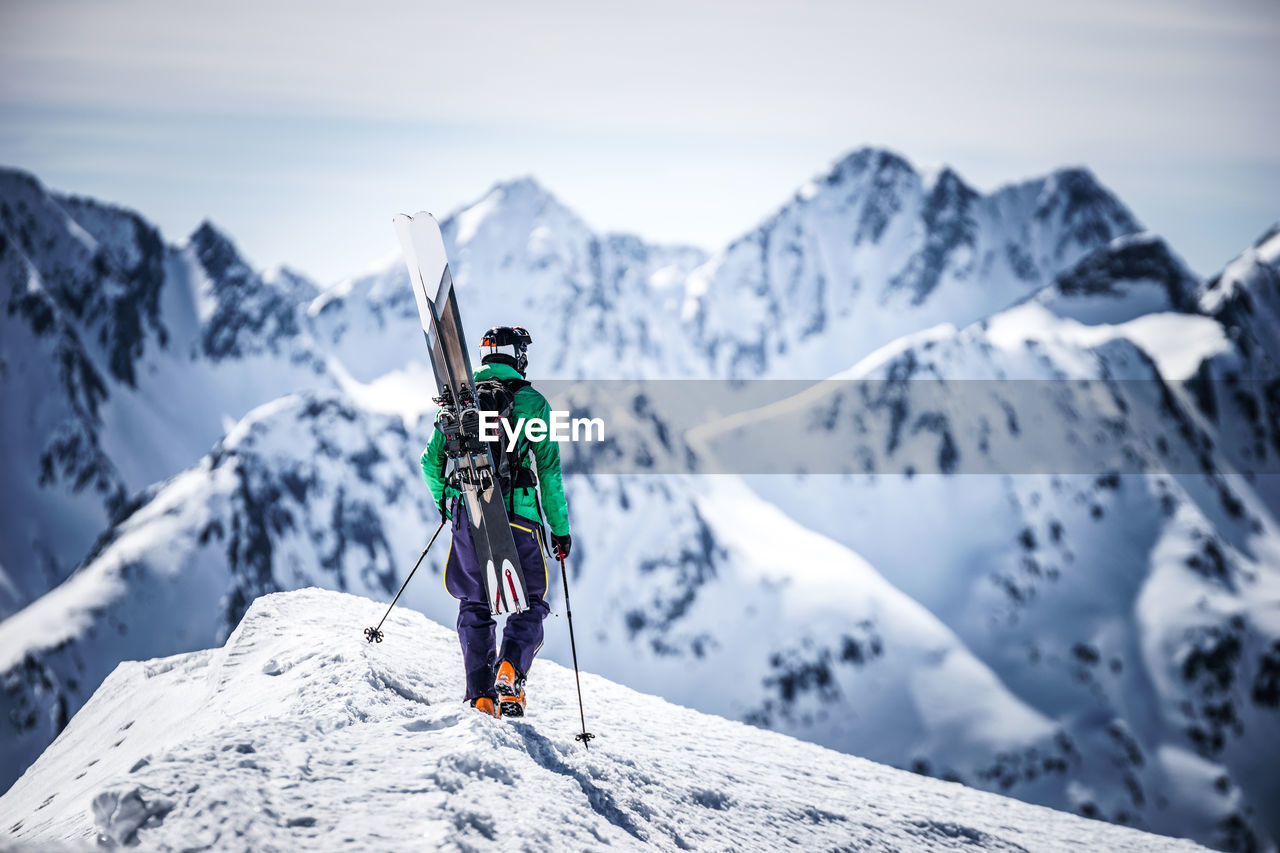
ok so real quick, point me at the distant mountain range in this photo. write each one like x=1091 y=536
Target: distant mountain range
x=183 y=433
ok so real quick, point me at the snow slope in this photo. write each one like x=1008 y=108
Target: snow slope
x=299 y=734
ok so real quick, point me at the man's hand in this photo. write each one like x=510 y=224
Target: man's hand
x=561 y=545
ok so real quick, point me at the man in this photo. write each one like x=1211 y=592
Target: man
x=495 y=681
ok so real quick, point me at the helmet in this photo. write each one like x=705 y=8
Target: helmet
x=507 y=345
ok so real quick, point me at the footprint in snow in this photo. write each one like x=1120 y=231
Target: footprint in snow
x=422 y=724
x=275 y=667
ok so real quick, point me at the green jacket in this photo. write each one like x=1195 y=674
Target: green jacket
x=545 y=456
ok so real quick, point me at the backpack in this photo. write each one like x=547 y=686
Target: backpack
x=499 y=395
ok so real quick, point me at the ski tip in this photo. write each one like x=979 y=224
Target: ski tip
x=420 y=216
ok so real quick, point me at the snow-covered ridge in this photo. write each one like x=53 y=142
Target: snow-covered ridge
x=1126 y=278
x=1245 y=297
x=872 y=250
x=297 y=733
x=863 y=254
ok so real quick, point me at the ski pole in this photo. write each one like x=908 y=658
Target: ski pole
x=585 y=736
x=374 y=635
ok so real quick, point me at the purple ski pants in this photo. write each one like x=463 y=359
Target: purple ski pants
x=464 y=579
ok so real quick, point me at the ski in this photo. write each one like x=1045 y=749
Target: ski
x=472 y=468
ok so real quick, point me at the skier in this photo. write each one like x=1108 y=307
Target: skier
x=495 y=678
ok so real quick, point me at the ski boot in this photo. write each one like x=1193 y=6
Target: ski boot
x=485 y=705
x=510 y=689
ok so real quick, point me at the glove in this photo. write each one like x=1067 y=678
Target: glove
x=444 y=512
x=561 y=545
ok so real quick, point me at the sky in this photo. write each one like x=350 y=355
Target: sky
x=301 y=128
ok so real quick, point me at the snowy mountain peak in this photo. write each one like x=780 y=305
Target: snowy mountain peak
x=525 y=187
x=17 y=183
x=295 y=286
x=1268 y=245
x=97 y=265
x=218 y=254
x=1078 y=179
x=240 y=313
x=519 y=201
x=1245 y=298
x=873 y=250
x=867 y=160
x=299 y=734
x=1243 y=272
x=1130 y=276
x=947 y=181
x=1087 y=210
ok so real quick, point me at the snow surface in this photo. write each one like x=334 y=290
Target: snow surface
x=297 y=734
